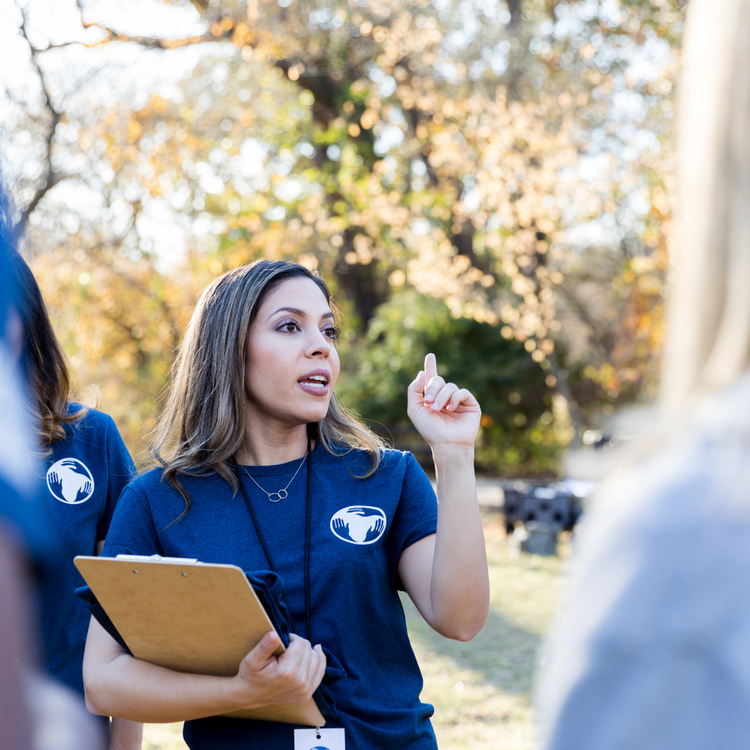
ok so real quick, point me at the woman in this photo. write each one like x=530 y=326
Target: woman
x=86 y=466
x=252 y=420
x=653 y=648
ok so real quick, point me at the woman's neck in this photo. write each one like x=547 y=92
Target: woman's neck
x=267 y=445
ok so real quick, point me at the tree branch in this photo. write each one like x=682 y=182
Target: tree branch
x=50 y=177
x=128 y=330
x=598 y=337
x=146 y=292
x=144 y=41
x=515 y=10
x=147 y=42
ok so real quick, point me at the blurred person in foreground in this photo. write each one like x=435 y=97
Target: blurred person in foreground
x=653 y=647
x=18 y=533
x=36 y=712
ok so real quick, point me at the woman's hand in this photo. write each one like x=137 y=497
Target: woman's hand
x=290 y=678
x=443 y=413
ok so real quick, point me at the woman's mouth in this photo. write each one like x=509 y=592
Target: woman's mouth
x=315 y=383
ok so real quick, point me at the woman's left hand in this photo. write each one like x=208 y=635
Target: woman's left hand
x=443 y=413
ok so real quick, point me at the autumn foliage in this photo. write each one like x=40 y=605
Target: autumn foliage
x=511 y=161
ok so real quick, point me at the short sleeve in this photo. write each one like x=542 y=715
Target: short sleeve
x=120 y=470
x=132 y=531
x=415 y=518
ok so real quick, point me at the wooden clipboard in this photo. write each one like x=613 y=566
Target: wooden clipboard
x=188 y=616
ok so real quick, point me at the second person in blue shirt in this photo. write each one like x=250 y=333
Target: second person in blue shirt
x=86 y=465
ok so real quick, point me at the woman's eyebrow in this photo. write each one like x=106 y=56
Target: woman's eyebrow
x=298 y=312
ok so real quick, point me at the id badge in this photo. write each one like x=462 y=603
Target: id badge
x=319 y=739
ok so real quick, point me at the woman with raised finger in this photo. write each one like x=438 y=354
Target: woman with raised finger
x=256 y=455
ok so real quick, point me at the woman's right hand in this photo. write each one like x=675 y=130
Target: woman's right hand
x=267 y=680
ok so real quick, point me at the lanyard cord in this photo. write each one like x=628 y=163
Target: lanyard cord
x=308 y=514
x=307 y=540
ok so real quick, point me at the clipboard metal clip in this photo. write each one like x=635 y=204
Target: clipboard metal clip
x=159 y=559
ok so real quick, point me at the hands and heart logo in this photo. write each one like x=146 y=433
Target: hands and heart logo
x=359 y=524
x=70 y=481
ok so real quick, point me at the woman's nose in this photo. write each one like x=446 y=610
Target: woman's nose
x=321 y=345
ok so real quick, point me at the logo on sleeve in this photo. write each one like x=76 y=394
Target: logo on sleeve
x=70 y=481
x=359 y=524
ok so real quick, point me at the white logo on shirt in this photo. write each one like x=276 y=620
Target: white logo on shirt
x=70 y=481
x=359 y=524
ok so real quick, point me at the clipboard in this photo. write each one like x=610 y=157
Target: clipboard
x=188 y=616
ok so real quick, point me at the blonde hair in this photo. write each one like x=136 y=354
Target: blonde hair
x=708 y=314
x=203 y=424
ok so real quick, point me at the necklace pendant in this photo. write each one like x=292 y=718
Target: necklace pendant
x=282 y=494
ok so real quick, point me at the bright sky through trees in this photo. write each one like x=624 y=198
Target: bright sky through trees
x=510 y=159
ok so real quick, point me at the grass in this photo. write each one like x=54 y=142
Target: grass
x=481 y=690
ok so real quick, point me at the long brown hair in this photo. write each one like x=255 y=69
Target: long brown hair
x=203 y=424
x=46 y=369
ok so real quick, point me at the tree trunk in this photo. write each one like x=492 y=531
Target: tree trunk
x=563 y=388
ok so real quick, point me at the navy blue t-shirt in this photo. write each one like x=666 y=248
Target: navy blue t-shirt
x=84 y=478
x=359 y=528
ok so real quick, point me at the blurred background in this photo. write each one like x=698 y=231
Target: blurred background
x=487 y=179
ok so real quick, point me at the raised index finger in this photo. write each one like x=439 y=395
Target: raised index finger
x=430 y=366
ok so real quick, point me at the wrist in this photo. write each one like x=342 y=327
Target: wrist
x=241 y=695
x=453 y=454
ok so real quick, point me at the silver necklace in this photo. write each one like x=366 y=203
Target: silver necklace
x=274 y=497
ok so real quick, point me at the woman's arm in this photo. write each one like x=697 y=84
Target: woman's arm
x=445 y=574
x=120 y=685
x=126 y=735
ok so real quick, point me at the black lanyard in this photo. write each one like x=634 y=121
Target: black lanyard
x=307 y=540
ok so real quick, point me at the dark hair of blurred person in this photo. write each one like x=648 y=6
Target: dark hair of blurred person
x=46 y=369
x=653 y=646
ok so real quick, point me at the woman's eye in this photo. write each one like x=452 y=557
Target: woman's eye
x=288 y=327
x=332 y=332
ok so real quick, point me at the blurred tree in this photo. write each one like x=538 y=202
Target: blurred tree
x=116 y=327
x=517 y=407
x=487 y=119
x=471 y=151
